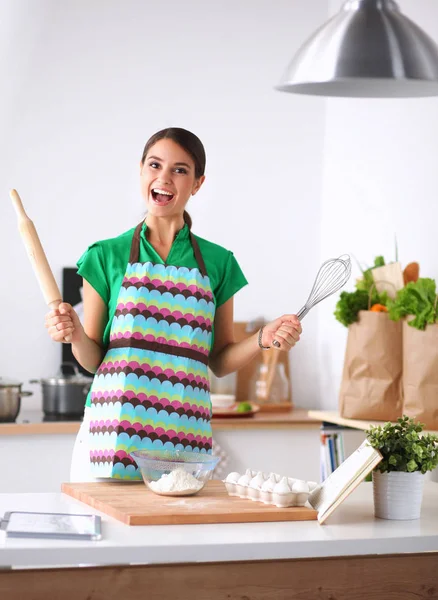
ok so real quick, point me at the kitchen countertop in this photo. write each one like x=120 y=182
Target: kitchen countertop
x=351 y=530
x=32 y=423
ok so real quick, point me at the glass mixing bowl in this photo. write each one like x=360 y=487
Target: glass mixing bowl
x=175 y=472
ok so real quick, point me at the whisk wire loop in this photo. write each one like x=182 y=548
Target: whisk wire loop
x=333 y=274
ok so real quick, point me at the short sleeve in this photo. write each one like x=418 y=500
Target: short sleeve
x=92 y=268
x=232 y=281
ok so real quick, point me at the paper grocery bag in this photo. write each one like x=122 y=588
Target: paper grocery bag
x=420 y=374
x=371 y=386
x=388 y=278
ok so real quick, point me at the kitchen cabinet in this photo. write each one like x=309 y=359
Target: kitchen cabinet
x=39 y=453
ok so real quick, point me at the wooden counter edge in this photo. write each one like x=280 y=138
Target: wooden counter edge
x=333 y=416
x=297 y=418
x=410 y=575
x=49 y=428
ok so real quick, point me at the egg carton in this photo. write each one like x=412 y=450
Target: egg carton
x=269 y=488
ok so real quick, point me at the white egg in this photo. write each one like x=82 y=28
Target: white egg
x=282 y=487
x=269 y=484
x=300 y=487
x=257 y=481
x=232 y=477
x=244 y=480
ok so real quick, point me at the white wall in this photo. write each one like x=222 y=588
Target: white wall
x=86 y=83
x=291 y=180
x=379 y=180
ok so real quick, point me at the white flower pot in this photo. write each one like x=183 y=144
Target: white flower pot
x=397 y=495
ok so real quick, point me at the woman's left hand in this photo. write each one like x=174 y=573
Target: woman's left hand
x=283 y=333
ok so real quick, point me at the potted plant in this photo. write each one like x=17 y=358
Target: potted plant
x=399 y=478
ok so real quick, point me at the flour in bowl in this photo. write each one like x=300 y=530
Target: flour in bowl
x=176 y=481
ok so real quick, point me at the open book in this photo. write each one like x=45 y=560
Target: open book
x=344 y=480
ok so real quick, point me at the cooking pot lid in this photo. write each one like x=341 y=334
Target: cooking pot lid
x=67 y=380
x=75 y=378
x=5 y=383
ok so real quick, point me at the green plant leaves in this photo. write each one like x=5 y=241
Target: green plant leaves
x=418 y=299
x=411 y=466
x=402 y=448
x=349 y=305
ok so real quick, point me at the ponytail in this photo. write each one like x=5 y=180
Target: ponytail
x=187 y=219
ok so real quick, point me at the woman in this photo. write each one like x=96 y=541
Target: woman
x=158 y=310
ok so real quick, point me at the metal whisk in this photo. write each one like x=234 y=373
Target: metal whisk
x=332 y=275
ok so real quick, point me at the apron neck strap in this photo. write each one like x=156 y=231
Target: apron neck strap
x=198 y=255
x=135 y=246
x=135 y=249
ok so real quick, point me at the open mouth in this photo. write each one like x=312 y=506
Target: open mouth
x=161 y=197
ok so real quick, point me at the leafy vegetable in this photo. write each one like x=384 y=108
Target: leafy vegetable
x=418 y=299
x=366 y=282
x=379 y=261
x=402 y=448
x=349 y=305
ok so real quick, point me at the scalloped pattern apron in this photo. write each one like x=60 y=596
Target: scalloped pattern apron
x=152 y=390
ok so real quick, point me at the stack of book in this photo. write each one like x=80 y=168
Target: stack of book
x=332 y=450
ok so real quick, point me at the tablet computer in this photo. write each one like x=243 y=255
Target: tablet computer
x=21 y=524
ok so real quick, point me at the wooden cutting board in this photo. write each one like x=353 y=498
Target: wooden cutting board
x=133 y=504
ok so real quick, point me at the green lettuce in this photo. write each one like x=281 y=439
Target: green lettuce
x=417 y=299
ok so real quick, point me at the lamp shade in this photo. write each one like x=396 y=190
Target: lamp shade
x=368 y=50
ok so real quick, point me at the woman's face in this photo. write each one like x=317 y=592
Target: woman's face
x=167 y=179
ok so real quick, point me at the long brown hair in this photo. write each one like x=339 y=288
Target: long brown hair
x=188 y=142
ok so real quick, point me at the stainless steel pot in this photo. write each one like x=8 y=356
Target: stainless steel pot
x=65 y=395
x=10 y=399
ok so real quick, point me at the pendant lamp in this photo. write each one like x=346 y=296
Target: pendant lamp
x=368 y=50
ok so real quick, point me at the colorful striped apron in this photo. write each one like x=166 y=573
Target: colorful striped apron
x=152 y=389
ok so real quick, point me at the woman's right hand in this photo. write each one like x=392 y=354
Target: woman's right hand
x=63 y=322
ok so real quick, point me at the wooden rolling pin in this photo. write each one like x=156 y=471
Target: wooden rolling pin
x=37 y=256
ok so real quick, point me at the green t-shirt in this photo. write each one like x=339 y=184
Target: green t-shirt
x=104 y=264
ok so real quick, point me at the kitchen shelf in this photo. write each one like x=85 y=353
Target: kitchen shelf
x=32 y=423
x=333 y=416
